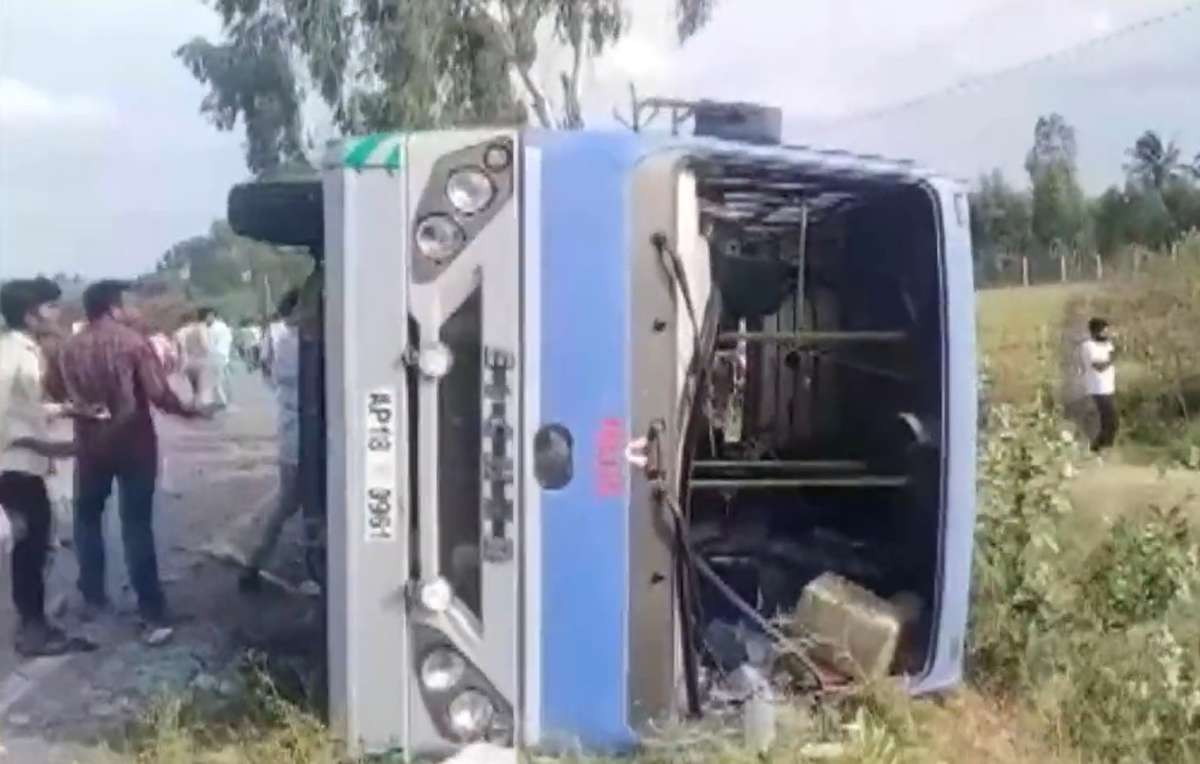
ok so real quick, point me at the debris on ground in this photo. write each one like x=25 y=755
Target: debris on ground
x=851 y=628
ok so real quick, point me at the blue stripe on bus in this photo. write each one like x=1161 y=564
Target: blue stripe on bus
x=584 y=387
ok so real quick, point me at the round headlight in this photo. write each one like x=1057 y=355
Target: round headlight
x=435 y=361
x=442 y=669
x=497 y=157
x=439 y=237
x=470 y=190
x=436 y=595
x=470 y=715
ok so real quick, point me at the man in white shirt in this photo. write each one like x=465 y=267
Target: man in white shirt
x=1100 y=379
x=220 y=348
x=248 y=342
x=29 y=307
x=275 y=330
x=192 y=339
x=285 y=379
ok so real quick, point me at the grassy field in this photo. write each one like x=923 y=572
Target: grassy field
x=1014 y=324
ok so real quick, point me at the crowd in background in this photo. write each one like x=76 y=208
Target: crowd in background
x=105 y=376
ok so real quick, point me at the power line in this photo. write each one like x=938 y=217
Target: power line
x=1049 y=58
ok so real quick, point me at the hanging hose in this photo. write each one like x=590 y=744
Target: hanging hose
x=690 y=563
x=667 y=499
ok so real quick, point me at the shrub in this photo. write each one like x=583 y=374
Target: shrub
x=1134 y=697
x=1021 y=596
x=1097 y=650
x=1141 y=569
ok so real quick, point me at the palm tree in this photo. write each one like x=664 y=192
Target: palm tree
x=1153 y=163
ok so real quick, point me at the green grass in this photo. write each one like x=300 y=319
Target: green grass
x=1013 y=324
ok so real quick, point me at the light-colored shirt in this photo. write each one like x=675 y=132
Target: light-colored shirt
x=269 y=338
x=248 y=337
x=285 y=377
x=193 y=341
x=23 y=412
x=220 y=341
x=1098 y=382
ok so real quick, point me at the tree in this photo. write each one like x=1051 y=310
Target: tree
x=1135 y=215
x=1112 y=219
x=398 y=64
x=1000 y=224
x=1059 y=216
x=1182 y=199
x=250 y=78
x=1053 y=146
x=1152 y=163
x=1059 y=210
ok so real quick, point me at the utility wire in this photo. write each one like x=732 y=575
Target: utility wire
x=1049 y=58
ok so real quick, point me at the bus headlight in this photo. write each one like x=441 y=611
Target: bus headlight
x=442 y=669
x=439 y=237
x=436 y=595
x=470 y=190
x=435 y=360
x=470 y=715
x=497 y=157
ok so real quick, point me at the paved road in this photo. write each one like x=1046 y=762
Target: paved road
x=218 y=480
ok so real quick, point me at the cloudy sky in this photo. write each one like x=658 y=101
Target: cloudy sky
x=104 y=161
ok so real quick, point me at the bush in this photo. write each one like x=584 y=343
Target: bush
x=1021 y=597
x=1154 y=314
x=1144 y=566
x=1134 y=696
x=1097 y=650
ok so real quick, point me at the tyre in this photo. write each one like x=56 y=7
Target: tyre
x=284 y=213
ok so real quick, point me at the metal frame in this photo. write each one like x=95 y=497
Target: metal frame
x=366 y=312
x=377 y=629
x=490 y=261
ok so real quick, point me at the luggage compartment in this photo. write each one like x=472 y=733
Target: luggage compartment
x=814 y=445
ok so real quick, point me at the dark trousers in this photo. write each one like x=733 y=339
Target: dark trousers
x=1107 y=434
x=135 y=479
x=25 y=497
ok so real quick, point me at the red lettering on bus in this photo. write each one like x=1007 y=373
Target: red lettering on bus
x=609 y=472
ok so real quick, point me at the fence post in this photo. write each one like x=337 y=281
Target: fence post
x=1099 y=267
x=1025 y=270
x=1062 y=268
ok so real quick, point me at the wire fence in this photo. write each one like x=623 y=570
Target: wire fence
x=1068 y=268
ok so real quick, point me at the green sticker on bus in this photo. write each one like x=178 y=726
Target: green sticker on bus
x=379 y=150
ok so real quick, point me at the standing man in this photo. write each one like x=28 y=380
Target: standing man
x=192 y=339
x=29 y=308
x=274 y=330
x=248 y=344
x=1100 y=378
x=220 y=348
x=285 y=379
x=109 y=364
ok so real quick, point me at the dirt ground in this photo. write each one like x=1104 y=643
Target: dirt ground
x=219 y=480
x=1112 y=489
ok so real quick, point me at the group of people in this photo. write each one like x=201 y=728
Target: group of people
x=204 y=347
x=107 y=377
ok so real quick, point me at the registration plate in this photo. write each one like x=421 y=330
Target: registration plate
x=382 y=485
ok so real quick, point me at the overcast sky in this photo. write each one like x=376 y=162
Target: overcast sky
x=105 y=162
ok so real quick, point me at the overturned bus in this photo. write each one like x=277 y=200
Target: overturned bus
x=597 y=406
